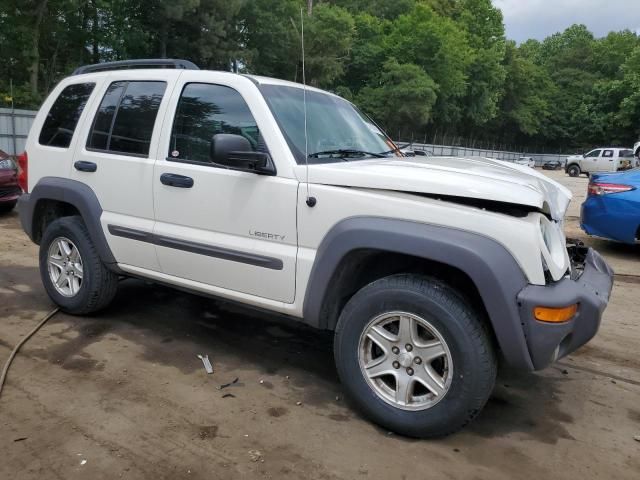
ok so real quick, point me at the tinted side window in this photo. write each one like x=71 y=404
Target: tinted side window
x=205 y=110
x=593 y=153
x=126 y=117
x=607 y=153
x=62 y=119
x=101 y=130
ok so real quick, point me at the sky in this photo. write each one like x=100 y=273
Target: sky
x=538 y=19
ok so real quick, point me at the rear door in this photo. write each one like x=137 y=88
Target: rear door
x=608 y=160
x=228 y=229
x=116 y=156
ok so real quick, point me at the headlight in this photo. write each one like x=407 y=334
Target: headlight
x=554 y=252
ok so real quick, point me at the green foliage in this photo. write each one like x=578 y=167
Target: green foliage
x=403 y=97
x=440 y=47
x=417 y=66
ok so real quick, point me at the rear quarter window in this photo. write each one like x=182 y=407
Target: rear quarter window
x=63 y=117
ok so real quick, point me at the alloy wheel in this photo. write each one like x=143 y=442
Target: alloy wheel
x=65 y=266
x=405 y=360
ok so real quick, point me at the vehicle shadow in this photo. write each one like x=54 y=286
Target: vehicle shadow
x=173 y=326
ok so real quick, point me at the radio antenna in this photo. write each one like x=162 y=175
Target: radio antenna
x=311 y=201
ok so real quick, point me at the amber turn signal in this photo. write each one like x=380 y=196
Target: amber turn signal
x=555 y=315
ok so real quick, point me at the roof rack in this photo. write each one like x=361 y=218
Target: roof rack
x=141 y=63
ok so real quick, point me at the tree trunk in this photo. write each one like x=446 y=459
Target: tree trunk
x=309 y=7
x=34 y=69
x=95 y=44
x=163 y=42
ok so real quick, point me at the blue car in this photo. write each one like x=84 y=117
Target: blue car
x=612 y=207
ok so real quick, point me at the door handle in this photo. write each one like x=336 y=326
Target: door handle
x=84 y=166
x=174 y=180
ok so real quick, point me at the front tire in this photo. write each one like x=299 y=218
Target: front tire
x=71 y=269
x=414 y=356
x=574 y=171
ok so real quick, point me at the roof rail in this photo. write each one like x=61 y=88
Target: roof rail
x=141 y=63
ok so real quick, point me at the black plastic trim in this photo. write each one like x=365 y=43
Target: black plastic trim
x=197 y=248
x=488 y=264
x=84 y=166
x=591 y=291
x=75 y=193
x=140 y=63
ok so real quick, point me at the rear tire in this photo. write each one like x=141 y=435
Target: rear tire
x=71 y=269
x=574 y=171
x=463 y=367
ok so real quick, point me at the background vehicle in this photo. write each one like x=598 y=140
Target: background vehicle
x=608 y=159
x=555 y=165
x=528 y=161
x=427 y=270
x=612 y=207
x=9 y=188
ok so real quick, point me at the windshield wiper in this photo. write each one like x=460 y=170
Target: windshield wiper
x=346 y=152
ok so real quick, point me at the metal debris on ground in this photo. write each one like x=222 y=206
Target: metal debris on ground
x=228 y=395
x=255 y=455
x=235 y=380
x=205 y=361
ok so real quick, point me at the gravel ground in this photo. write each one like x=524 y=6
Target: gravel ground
x=122 y=394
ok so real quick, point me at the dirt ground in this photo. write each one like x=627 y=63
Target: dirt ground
x=122 y=394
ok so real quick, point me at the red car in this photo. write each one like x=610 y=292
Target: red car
x=9 y=188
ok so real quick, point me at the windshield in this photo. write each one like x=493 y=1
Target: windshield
x=333 y=124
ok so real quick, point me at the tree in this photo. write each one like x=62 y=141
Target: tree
x=328 y=38
x=403 y=98
x=485 y=30
x=524 y=106
x=441 y=48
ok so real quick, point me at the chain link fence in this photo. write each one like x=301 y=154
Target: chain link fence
x=509 y=156
x=14 y=128
x=15 y=125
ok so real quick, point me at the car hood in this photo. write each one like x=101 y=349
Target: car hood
x=474 y=177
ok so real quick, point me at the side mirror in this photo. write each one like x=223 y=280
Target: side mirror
x=234 y=151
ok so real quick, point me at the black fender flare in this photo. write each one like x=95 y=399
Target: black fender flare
x=75 y=193
x=490 y=266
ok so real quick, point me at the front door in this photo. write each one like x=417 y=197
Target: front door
x=229 y=229
x=590 y=162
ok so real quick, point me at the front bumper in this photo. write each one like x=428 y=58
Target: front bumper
x=9 y=193
x=589 y=286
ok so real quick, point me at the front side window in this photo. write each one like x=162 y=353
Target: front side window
x=607 y=153
x=126 y=117
x=205 y=110
x=63 y=117
x=593 y=153
x=332 y=124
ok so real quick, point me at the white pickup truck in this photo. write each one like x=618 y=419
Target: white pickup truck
x=429 y=270
x=608 y=159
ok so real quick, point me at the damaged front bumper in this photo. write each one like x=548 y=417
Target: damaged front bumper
x=588 y=286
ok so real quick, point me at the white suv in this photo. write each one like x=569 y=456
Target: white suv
x=429 y=270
